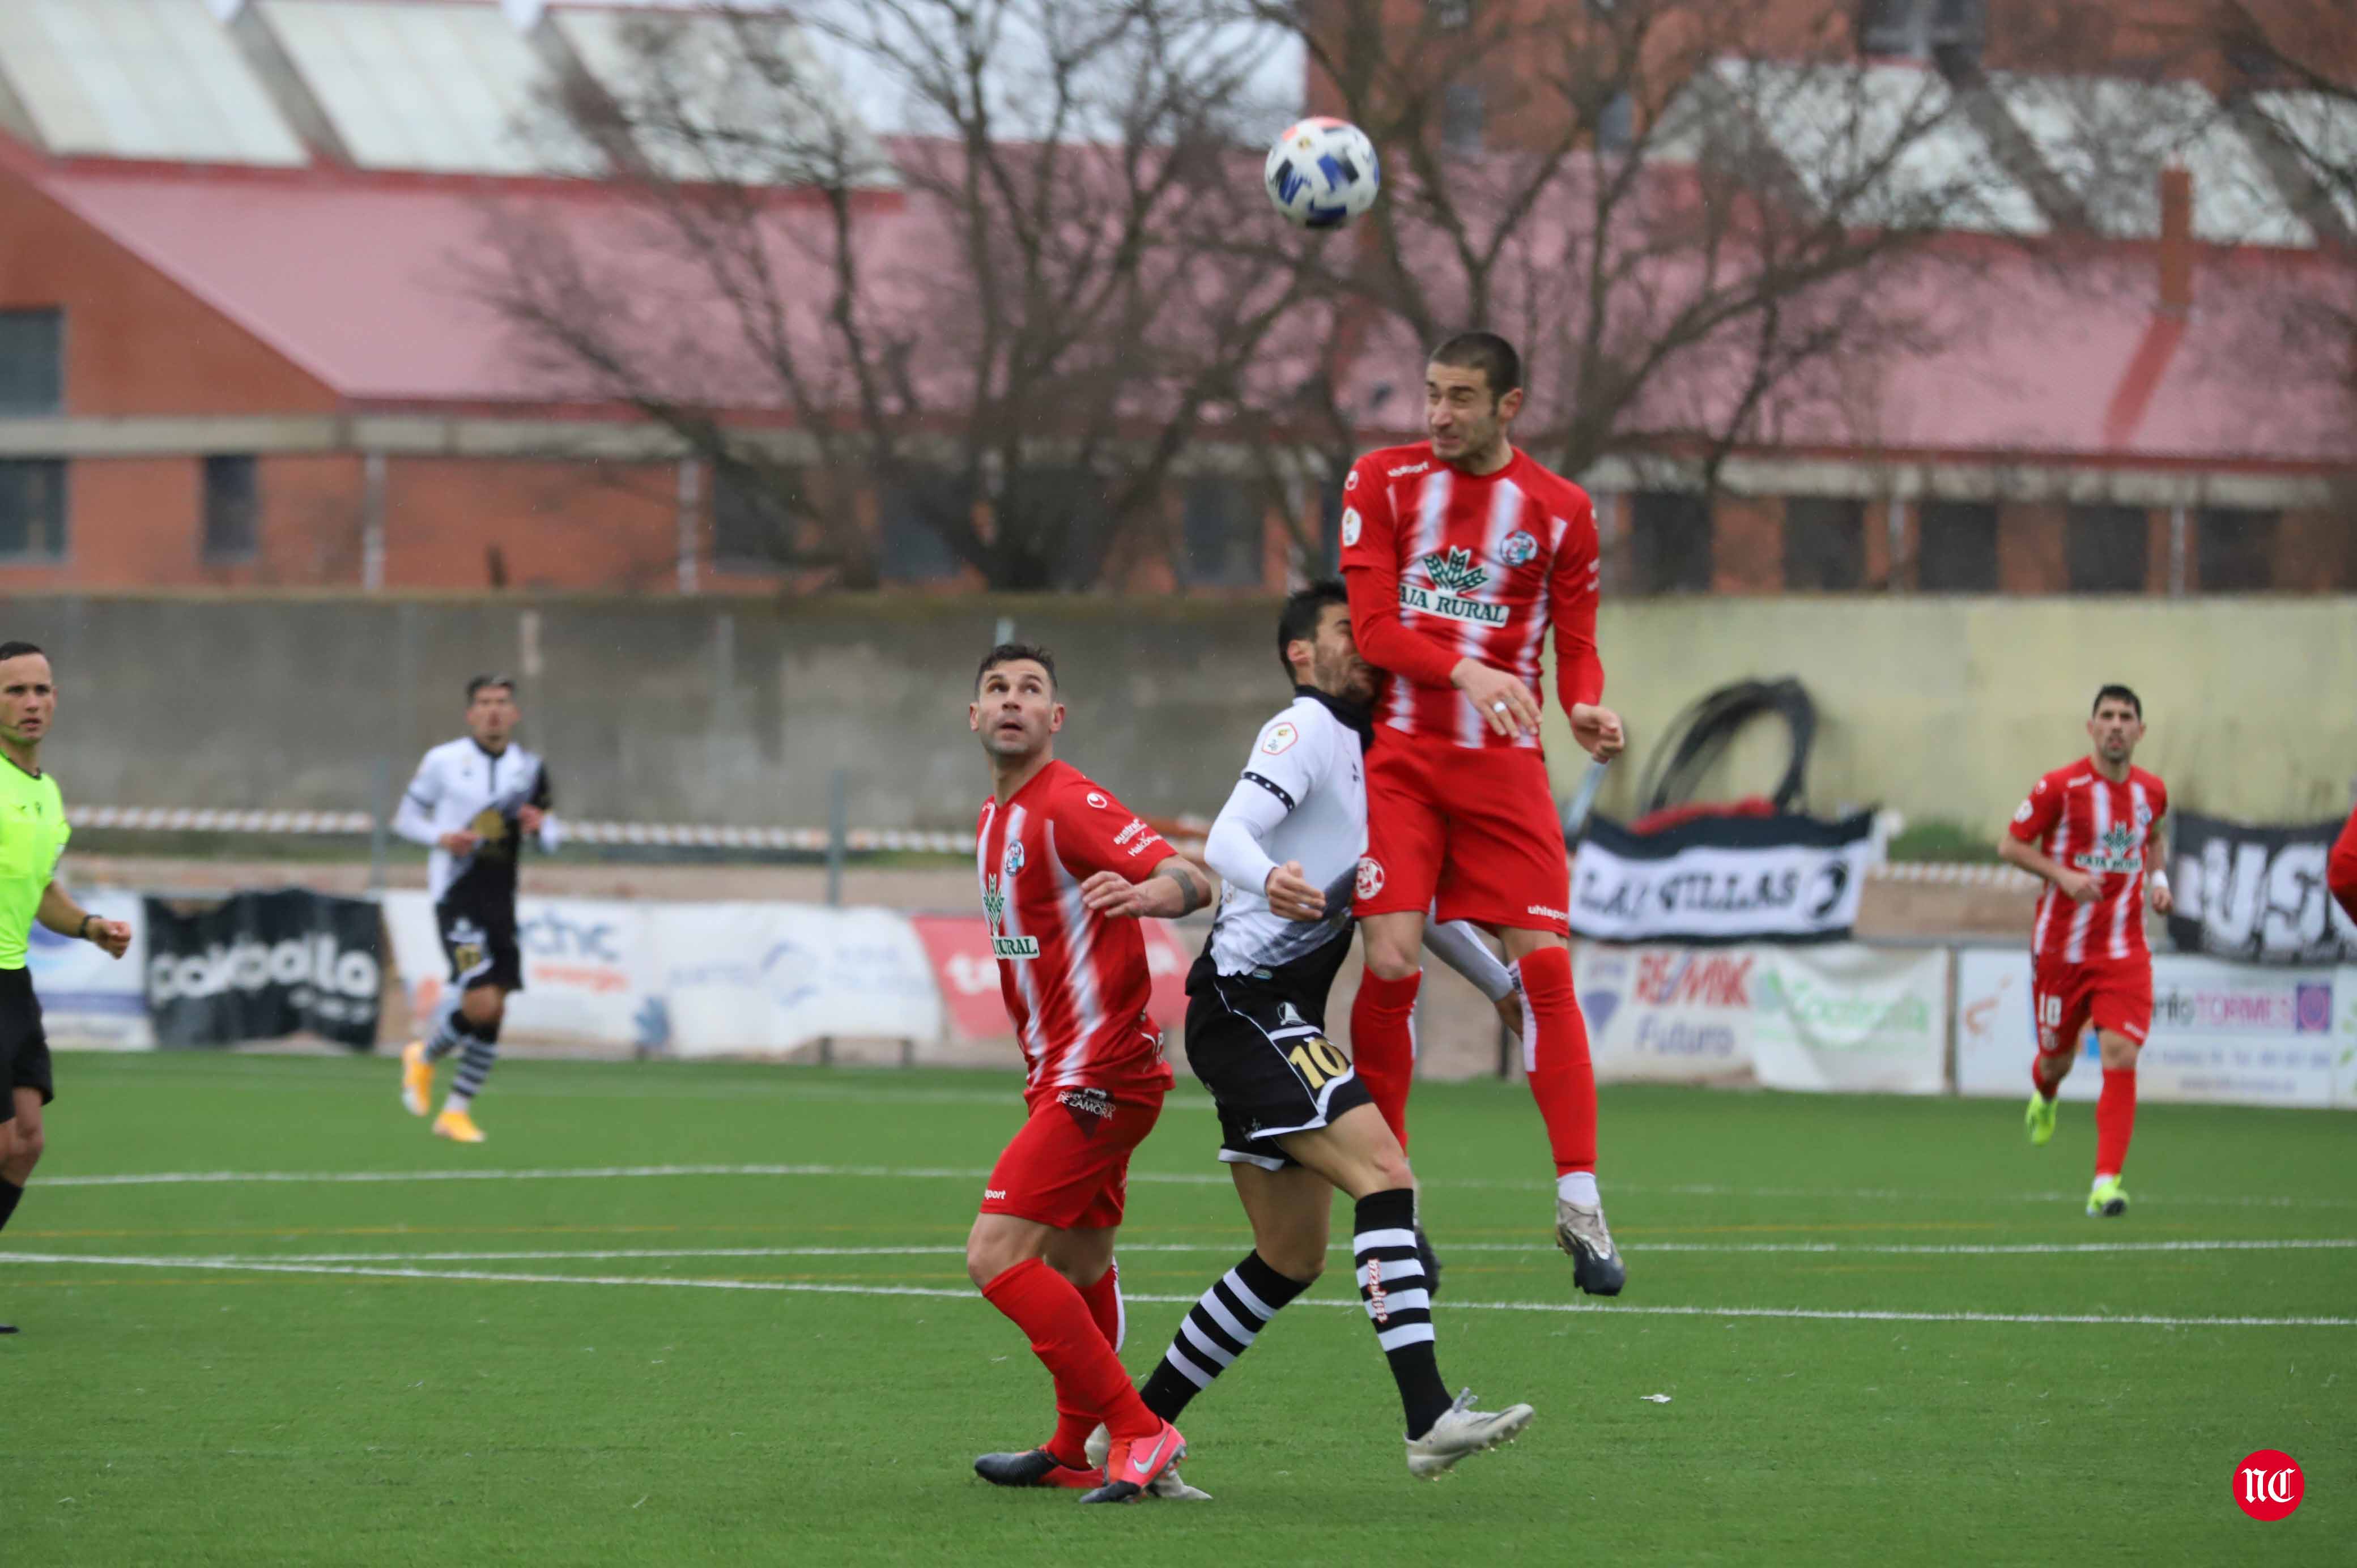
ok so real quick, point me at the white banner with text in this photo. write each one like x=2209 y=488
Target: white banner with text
x=2222 y=1033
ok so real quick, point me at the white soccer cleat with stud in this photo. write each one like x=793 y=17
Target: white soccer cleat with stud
x=1462 y=1430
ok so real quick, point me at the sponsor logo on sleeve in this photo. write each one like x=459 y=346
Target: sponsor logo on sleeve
x=2022 y=814
x=1137 y=826
x=1280 y=739
x=1350 y=527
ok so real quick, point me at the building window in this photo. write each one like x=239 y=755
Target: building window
x=1062 y=512
x=32 y=509
x=1461 y=117
x=753 y=512
x=1670 y=541
x=32 y=367
x=1616 y=123
x=1222 y=534
x=1956 y=547
x=2104 y=549
x=912 y=518
x=2236 y=550
x=1945 y=30
x=1824 y=545
x=232 y=508
x=1329 y=527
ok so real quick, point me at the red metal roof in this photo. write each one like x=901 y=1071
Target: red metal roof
x=361 y=281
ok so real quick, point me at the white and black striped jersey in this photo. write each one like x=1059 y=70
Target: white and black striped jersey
x=459 y=785
x=1303 y=797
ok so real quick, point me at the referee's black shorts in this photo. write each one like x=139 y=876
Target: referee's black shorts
x=1268 y=1065
x=24 y=1046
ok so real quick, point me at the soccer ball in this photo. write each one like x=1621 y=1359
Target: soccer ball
x=1322 y=173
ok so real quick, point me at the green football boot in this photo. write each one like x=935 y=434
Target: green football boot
x=2040 y=1117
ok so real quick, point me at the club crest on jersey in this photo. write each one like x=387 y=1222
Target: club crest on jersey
x=1370 y=877
x=1519 y=549
x=1014 y=862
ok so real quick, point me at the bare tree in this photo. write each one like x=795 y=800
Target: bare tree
x=1702 y=220
x=1011 y=321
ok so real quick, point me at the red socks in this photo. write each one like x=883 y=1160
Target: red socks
x=1382 y=1043
x=1555 y=1055
x=2114 y=1120
x=1074 y=1422
x=1065 y=1337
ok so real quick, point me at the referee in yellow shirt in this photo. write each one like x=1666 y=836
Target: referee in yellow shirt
x=32 y=835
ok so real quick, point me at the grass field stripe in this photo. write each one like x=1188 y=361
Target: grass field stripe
x=2027 y=1249
x=1824 y=1314
x=1174 y=1178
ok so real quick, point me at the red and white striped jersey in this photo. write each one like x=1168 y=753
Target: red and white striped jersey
x=2080 y=820
x=1444 y=566
x=1075 y=982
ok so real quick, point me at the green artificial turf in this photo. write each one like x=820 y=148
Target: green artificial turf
x=187 y=1414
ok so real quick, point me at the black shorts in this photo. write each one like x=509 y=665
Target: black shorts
x=1267 y=1062
x=24 y=1046
x=481 y=946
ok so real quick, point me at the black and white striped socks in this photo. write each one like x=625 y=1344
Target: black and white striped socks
x=1399 y=1303
x=1217 y=1329
x=479 y=1049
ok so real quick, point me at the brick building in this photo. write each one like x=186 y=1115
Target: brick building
x=238 y=348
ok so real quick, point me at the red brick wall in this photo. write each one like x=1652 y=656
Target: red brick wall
x=551 y=525
x=136 y=342
x=1747 y=545
x=2030 y=558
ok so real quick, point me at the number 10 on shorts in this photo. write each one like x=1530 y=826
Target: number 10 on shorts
x=1318 y=1059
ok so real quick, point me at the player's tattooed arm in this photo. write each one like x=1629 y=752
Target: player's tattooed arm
x=1174 y=889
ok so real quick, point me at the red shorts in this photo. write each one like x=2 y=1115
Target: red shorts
x=1475 y=828
x=1068 y=1168
x=2116 y=996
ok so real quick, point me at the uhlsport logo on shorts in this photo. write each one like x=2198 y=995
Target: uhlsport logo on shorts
x=1370 y=877
x=2268 y=1485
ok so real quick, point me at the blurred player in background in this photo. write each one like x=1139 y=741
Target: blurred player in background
x=473 y=801
x=1460 y=552
x=32 y=835
x=2088 y=830
x=1055 y=853
x=1295 y=1123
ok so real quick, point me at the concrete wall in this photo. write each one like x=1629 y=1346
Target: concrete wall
x=737 y=711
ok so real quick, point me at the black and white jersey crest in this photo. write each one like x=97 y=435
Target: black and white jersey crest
x=461 y=786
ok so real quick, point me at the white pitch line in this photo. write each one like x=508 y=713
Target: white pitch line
x=241 y=1265
x=1177 y=1178
x=1646 y=1249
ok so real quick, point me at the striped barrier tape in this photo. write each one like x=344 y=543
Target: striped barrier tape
x=810 y=840
x=671 y=836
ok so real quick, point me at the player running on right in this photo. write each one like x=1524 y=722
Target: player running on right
x=2088 y=830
